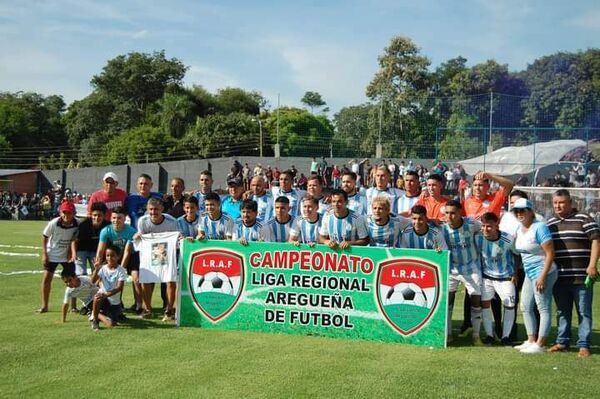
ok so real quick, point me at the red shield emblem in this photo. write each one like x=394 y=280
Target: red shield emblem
x=216 y=280
x=408 y=292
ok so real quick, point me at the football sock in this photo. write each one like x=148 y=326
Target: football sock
x=476 y=320
x=509 y=319
x=449 y=320
x=487 y=321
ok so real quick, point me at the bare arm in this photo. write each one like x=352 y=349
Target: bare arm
x=592 y=269
x=64 y=310
x=44 y=250
x=506 y=184
x=548 y=248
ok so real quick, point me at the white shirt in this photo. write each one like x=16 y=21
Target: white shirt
x=110 y=278
x=59 y=239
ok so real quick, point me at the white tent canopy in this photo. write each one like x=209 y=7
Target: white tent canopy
x=521 y=160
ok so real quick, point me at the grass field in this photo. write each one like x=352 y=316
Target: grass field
x=39 y=356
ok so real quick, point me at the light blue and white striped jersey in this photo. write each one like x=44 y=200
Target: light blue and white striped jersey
x=464 y=254
x=219 y=229
x=273 y=231
x=391 y=193
x=352 y=227
x=186 y=228
x=358 y=203
x=323 y=206
x=250 y=233
x=432 y=239
x=389 y=234
x=497 y=257
x=304 y=231
x=295 y=197
x=265 y=206
x=406 y=203
x=200 y=197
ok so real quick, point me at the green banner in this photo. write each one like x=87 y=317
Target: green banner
x=396 y=295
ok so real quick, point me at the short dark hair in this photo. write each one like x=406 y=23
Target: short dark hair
x=207 y=173
x=283 y=200
x=155 y=201
x=337 y=191
x=435 y=176
x=145 y=176
x=190 y=199
x=563 y=192
x=489 y=217
x=113 y=248
x=411 y=173
x=317 y=178
x=310 y=198
x=519 y=193
x=212 y=197
x=419 y=210
x=119 y=210
x=180 y=180
x=287 y=172
x=454 y=203
x=98 y=207
x=351 y=174
x=250 y=205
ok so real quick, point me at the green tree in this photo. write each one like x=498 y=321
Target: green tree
x=231 y=100
x=176 y=111
x=138 y=145
x=353 y=135
x=313 y=100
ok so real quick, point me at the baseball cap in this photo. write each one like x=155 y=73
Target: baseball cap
x=522 y=203
x=110 y=175
x=235 y=181
x=67 y=206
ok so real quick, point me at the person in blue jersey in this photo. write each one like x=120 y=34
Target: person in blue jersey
x=231 y=204
x=465 y=265
x=214 y=224
x=421 y=234
x=120 y=235
x=305 y=229
x=285 y=189
x=383 y=188
x=157 y=222
x=314 y=187
x=411 y=195
x=136 y=203
x=247 y=228
x=384 y=230
x=278 y=228
x=497 y=249
x=534 y=243
x=258 y=192
x=205 y=182
x=187 y=224
x=357 y=202
x=342 y=227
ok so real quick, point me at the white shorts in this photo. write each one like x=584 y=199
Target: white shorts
x=472 y=282
x=505 y=289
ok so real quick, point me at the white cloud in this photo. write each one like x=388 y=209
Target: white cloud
x=140 y=34
x=210 y=78
x=589 y=21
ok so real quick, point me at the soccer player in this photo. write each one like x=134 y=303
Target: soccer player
x=278 y=228
x=120 y=235
x=384 y=230
x=214 y=224
x=106 y=306
x=231 y=204
x=110 y=195
x=314 y=188
x=58 y=248
x=465 y=267
x=78 y=287
x=285 y=189
x=434 y=202
x=499 y=275
x=264 y=200
x=305 y=229
x=88 y=238
x=187 y=224
x=342 y=227
x=357 y=202
x=157 y=222
x=174 y=201
x=422 y=235
x=383 y=188
x=136 y=203
x=482 y=200
x=205 y=182
x=247 y=228
x=412 y=194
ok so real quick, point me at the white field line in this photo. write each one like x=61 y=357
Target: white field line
x=19 y=246
x=23 y=254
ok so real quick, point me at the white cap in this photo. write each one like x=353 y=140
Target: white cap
x=110 y=175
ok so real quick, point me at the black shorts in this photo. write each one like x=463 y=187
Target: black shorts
x=134 y=263
x=113 y=312
x=68 y=268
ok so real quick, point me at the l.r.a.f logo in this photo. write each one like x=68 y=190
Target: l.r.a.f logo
x=408 y=292
x=216 y=279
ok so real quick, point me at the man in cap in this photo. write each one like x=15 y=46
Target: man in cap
x=231 y=204
x=110 y=195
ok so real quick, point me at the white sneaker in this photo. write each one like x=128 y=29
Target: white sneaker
x=533 y=348
x=523 y=345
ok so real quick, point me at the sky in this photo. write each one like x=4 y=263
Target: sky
x=277 y=47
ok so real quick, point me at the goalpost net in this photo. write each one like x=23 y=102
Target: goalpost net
x=586 y=200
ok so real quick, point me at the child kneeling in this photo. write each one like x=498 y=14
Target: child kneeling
x=107 y=302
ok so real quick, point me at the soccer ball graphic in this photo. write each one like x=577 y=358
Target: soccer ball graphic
x=406 y=294
x=215 y=282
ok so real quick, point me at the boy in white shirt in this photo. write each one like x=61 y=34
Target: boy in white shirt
x=107 y=301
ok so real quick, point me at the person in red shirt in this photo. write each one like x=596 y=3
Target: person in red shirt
x=109 y=195
x=433 y=200
x=482 y=200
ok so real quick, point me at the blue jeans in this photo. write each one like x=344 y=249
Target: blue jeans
x=565 y=296
x=83 y=258
x=531 y=298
